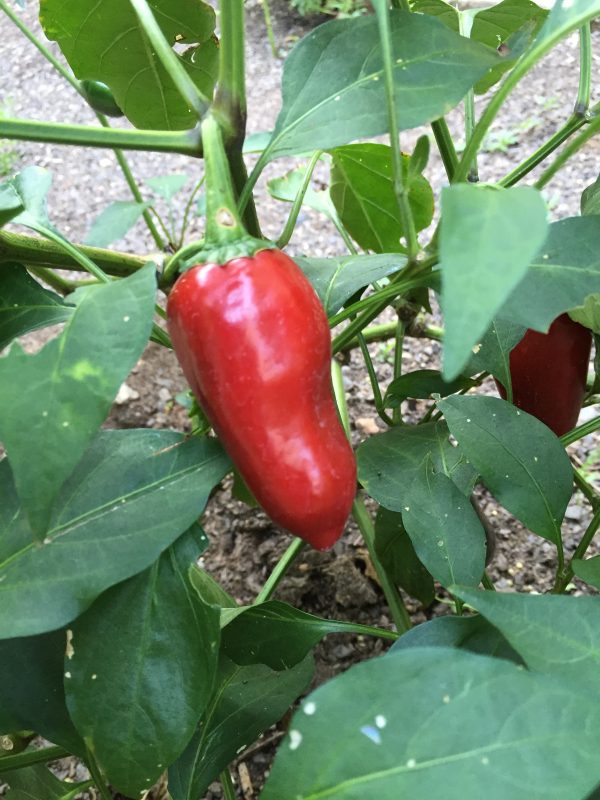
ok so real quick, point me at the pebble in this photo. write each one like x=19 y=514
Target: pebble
x=126 y=394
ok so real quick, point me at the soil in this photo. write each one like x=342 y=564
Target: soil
x=245 y=546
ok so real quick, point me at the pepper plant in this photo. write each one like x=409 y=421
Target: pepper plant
x=116 y=646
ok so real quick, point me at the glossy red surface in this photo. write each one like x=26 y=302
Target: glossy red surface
x=549 y=371
x=254 y=344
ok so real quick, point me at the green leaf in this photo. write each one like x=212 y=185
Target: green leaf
x=114 y=222
x=475 y=634
x=275 y=634
x=103 y=40
x=246 y=701
x=565 y=16
x=10 y=203
x=337 y=279
x=287 y=187
x=25 y=305
x=431 y=722
x=397 y=556
x=62 y=394
x=32 y=695
x=520 y=460
x=32 y=186
x=422 y=383
x=589 y=313
x=444 y=528
x=509 y=26
x=492 y=354
x=588 y=570
x=168 y=638
x=590 y=199
x=440 y=9
x=362 y=190
x=390 y=461
x=554 y=634
x=562 y=274
x=209 y=589
x=334 y=88
x=488 y=238
x=37 y=783
x=132 y=494
x=167 y=186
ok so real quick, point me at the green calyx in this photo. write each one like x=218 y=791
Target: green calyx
x=246 y=247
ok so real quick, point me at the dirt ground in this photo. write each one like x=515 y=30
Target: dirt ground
x=244 y=544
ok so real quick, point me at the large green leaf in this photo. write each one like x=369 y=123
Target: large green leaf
x=103 y=40
x=61 y=395
x=334 y=88
x=38 y=783
x=389 y=462
x=32 y=695
x=131 y=496
x=362 y=190
x=433 y=722
x=397 y=555
x=488 y=238
x=562 y=274
x=275 y=634
x=492 y=353
x=246 y=701
x=565 y=16
x=25 y=305
x=557 y=635
x=446 y=533
x=468 y=633
x=157 y=674
x=588 y=570
x=520 y=460
x=336 y=279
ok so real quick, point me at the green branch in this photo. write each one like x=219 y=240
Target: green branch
x=185 y=142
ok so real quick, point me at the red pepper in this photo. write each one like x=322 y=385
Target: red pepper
x=253 y=341
x=548 y=373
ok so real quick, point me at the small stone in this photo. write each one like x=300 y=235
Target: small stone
x=126 y=394
x=574 y=512
x=367 y=425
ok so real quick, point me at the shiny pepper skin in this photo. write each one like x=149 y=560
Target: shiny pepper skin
x=549 y=371
x=254 y=344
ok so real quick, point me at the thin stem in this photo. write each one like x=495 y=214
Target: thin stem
x=227 y=785
x=400 y=189
x=186 y=142
x=43 y=253
x=246 y=193
x=392 y=595
x=269 y=26
x=298 y=200
x=339 y=392
x=282 y=566
x=580 y=551
x=57 y=282
x=97 y=776
x=585 y=70
x=581 y=431
x=188 y=209
x=398 y=352
x=373 y=379
x=184 y=84
x=576 y=144
x=465 y=22
x=162 y=226
x=487 y=583
x=586 y=489
x=135 y=191
x=574 y=123
x=445 y=145
x=76 y=254
x=30 y=757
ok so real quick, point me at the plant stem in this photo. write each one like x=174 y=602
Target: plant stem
x=97 y=776
x=30 y=757
x=392 y=595
x=571 y=125
x=298 y=200
x=465 y=22
x=576 y=144
x=269 y=25
x=445 y=145
x=580 y=551
x=487 y=583
x=227 y=785
x=582 y=430
x=187 y=211
x=398 y=352
x=339 y=392
x=43 y=253
x=373 y=379
x=586 y=489
x=400 y=189
x=184 y=84
x=282 y=566
x=186 y=142
x=57 y=282
x=135 y=191
x=585 y=70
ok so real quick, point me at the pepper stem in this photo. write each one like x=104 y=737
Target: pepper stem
x=225 y=235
